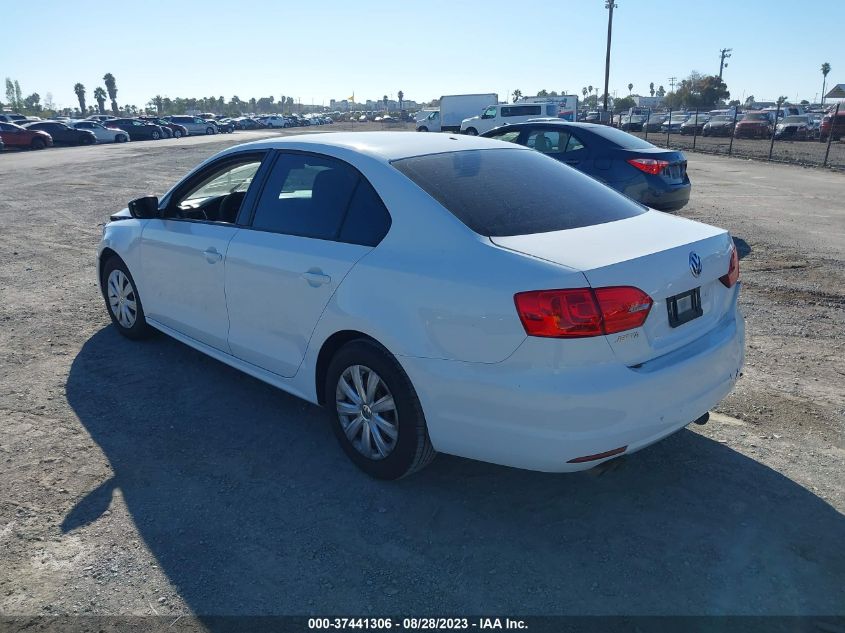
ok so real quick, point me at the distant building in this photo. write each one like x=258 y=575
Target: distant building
x=647 y=102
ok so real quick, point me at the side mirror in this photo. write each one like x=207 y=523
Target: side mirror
x=144 y=208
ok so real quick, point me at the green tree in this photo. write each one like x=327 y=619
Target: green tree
x=32 y=104
x=661 y=92
x=623 y=104
x=517 y=95
x=749 y=101
x=18 y=95
x=590 y=89
x=630 y=88
x=111 y=86
x=651 y=88
x=100 y=98
x=10 y=93
x=825 y=71
x=553 y=93
x=543 y=93
x=401 y=96
x=79 y=89
x=584 y=91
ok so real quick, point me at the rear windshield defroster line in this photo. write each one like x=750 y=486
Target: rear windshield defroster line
x=501 y=192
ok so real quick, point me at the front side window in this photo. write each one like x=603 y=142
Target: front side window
x=499 y=192
x=221 y=182
x=489 y=113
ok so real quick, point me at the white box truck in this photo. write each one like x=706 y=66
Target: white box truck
x=454 y=109
x=567 y=105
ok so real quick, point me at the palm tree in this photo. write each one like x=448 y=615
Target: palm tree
x=401 y=96
x=111 y=86
x=590 y=89
x=825 y=70
x=584 y=91
x=630 y=88
x=517 y=95
x=100 y=96
x=384 y=101
x=651 y=88
x=79 y=89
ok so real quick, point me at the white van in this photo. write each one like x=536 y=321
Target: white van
x=502 y=114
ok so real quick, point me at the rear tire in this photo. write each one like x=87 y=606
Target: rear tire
x=122 y=300
x=392 y=405
x=155 y=135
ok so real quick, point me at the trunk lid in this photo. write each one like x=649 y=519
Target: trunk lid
x=650 y=252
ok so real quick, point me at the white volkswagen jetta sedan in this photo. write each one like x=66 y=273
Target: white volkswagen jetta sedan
x=437 y=293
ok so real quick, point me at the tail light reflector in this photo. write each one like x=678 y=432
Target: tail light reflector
x=649 y=165
x=582 y=312
x=733 y=270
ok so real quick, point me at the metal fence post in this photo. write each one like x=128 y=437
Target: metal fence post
x=772 y=144
x=733 y=130
x=830 y=134
x=647 y=119
x=695 y=129
x=668 y=128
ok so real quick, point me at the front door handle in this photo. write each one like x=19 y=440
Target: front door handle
x=315 y=278
x=211 y=255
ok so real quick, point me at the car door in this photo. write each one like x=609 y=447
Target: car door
x=316 y=217
x=13 y=136
x=558 y=142
x=183 y=253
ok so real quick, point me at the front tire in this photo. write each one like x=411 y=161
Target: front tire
x=209 y=130
x=471 y=131
x=422 y=128
x=121 y=138
x=38 y=144
x=377 y=417
x=122 y=300
x=177 y=133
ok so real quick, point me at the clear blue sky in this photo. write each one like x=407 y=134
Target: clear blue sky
x=314 y=51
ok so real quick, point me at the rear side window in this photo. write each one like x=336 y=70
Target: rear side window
x=306 y=195
x=622 y=139
x=499 y=192
x=367 y=220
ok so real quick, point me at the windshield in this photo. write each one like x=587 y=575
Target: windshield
x=721 y=119
x=756 y=117
x=499 y=192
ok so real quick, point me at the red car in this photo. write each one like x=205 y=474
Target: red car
x=16 y=136
x=754 y=125
x=838 y=128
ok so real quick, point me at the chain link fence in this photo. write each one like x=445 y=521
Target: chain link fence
x=815 y=149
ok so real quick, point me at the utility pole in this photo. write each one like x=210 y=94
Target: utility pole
x=723 y=55
x=672 y=81
x=610 y=6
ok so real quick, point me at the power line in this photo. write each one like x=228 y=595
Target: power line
x=672 y=81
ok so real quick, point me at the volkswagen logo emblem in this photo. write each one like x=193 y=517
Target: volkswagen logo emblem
x=694 y=264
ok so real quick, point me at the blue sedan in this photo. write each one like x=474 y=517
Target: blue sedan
x=650 y=175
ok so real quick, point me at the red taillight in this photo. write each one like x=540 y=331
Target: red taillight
x=581 y=312
x=649 y=165
x=733 y=270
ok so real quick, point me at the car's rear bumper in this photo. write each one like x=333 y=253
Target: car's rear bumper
x=539 y=410
x=656 y=193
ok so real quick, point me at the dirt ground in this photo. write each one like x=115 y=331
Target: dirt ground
x=786 y=151
x=145 y=478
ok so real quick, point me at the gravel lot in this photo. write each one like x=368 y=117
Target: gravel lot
x=800 y=152
x=142 y=478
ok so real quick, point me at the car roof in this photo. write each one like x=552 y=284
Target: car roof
x=550 y=121
x=385 y=146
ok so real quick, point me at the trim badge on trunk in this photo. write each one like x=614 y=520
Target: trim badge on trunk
x=694 y=264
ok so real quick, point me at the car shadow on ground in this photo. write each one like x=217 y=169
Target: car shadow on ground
x=743 y=249
x=250 y=507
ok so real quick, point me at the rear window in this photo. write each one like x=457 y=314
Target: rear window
x=620 y=138
x=499 y=192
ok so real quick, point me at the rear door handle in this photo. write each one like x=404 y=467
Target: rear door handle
x=315 y=278
x=211 y=255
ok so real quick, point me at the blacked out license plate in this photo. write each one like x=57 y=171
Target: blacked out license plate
x=684 y=307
